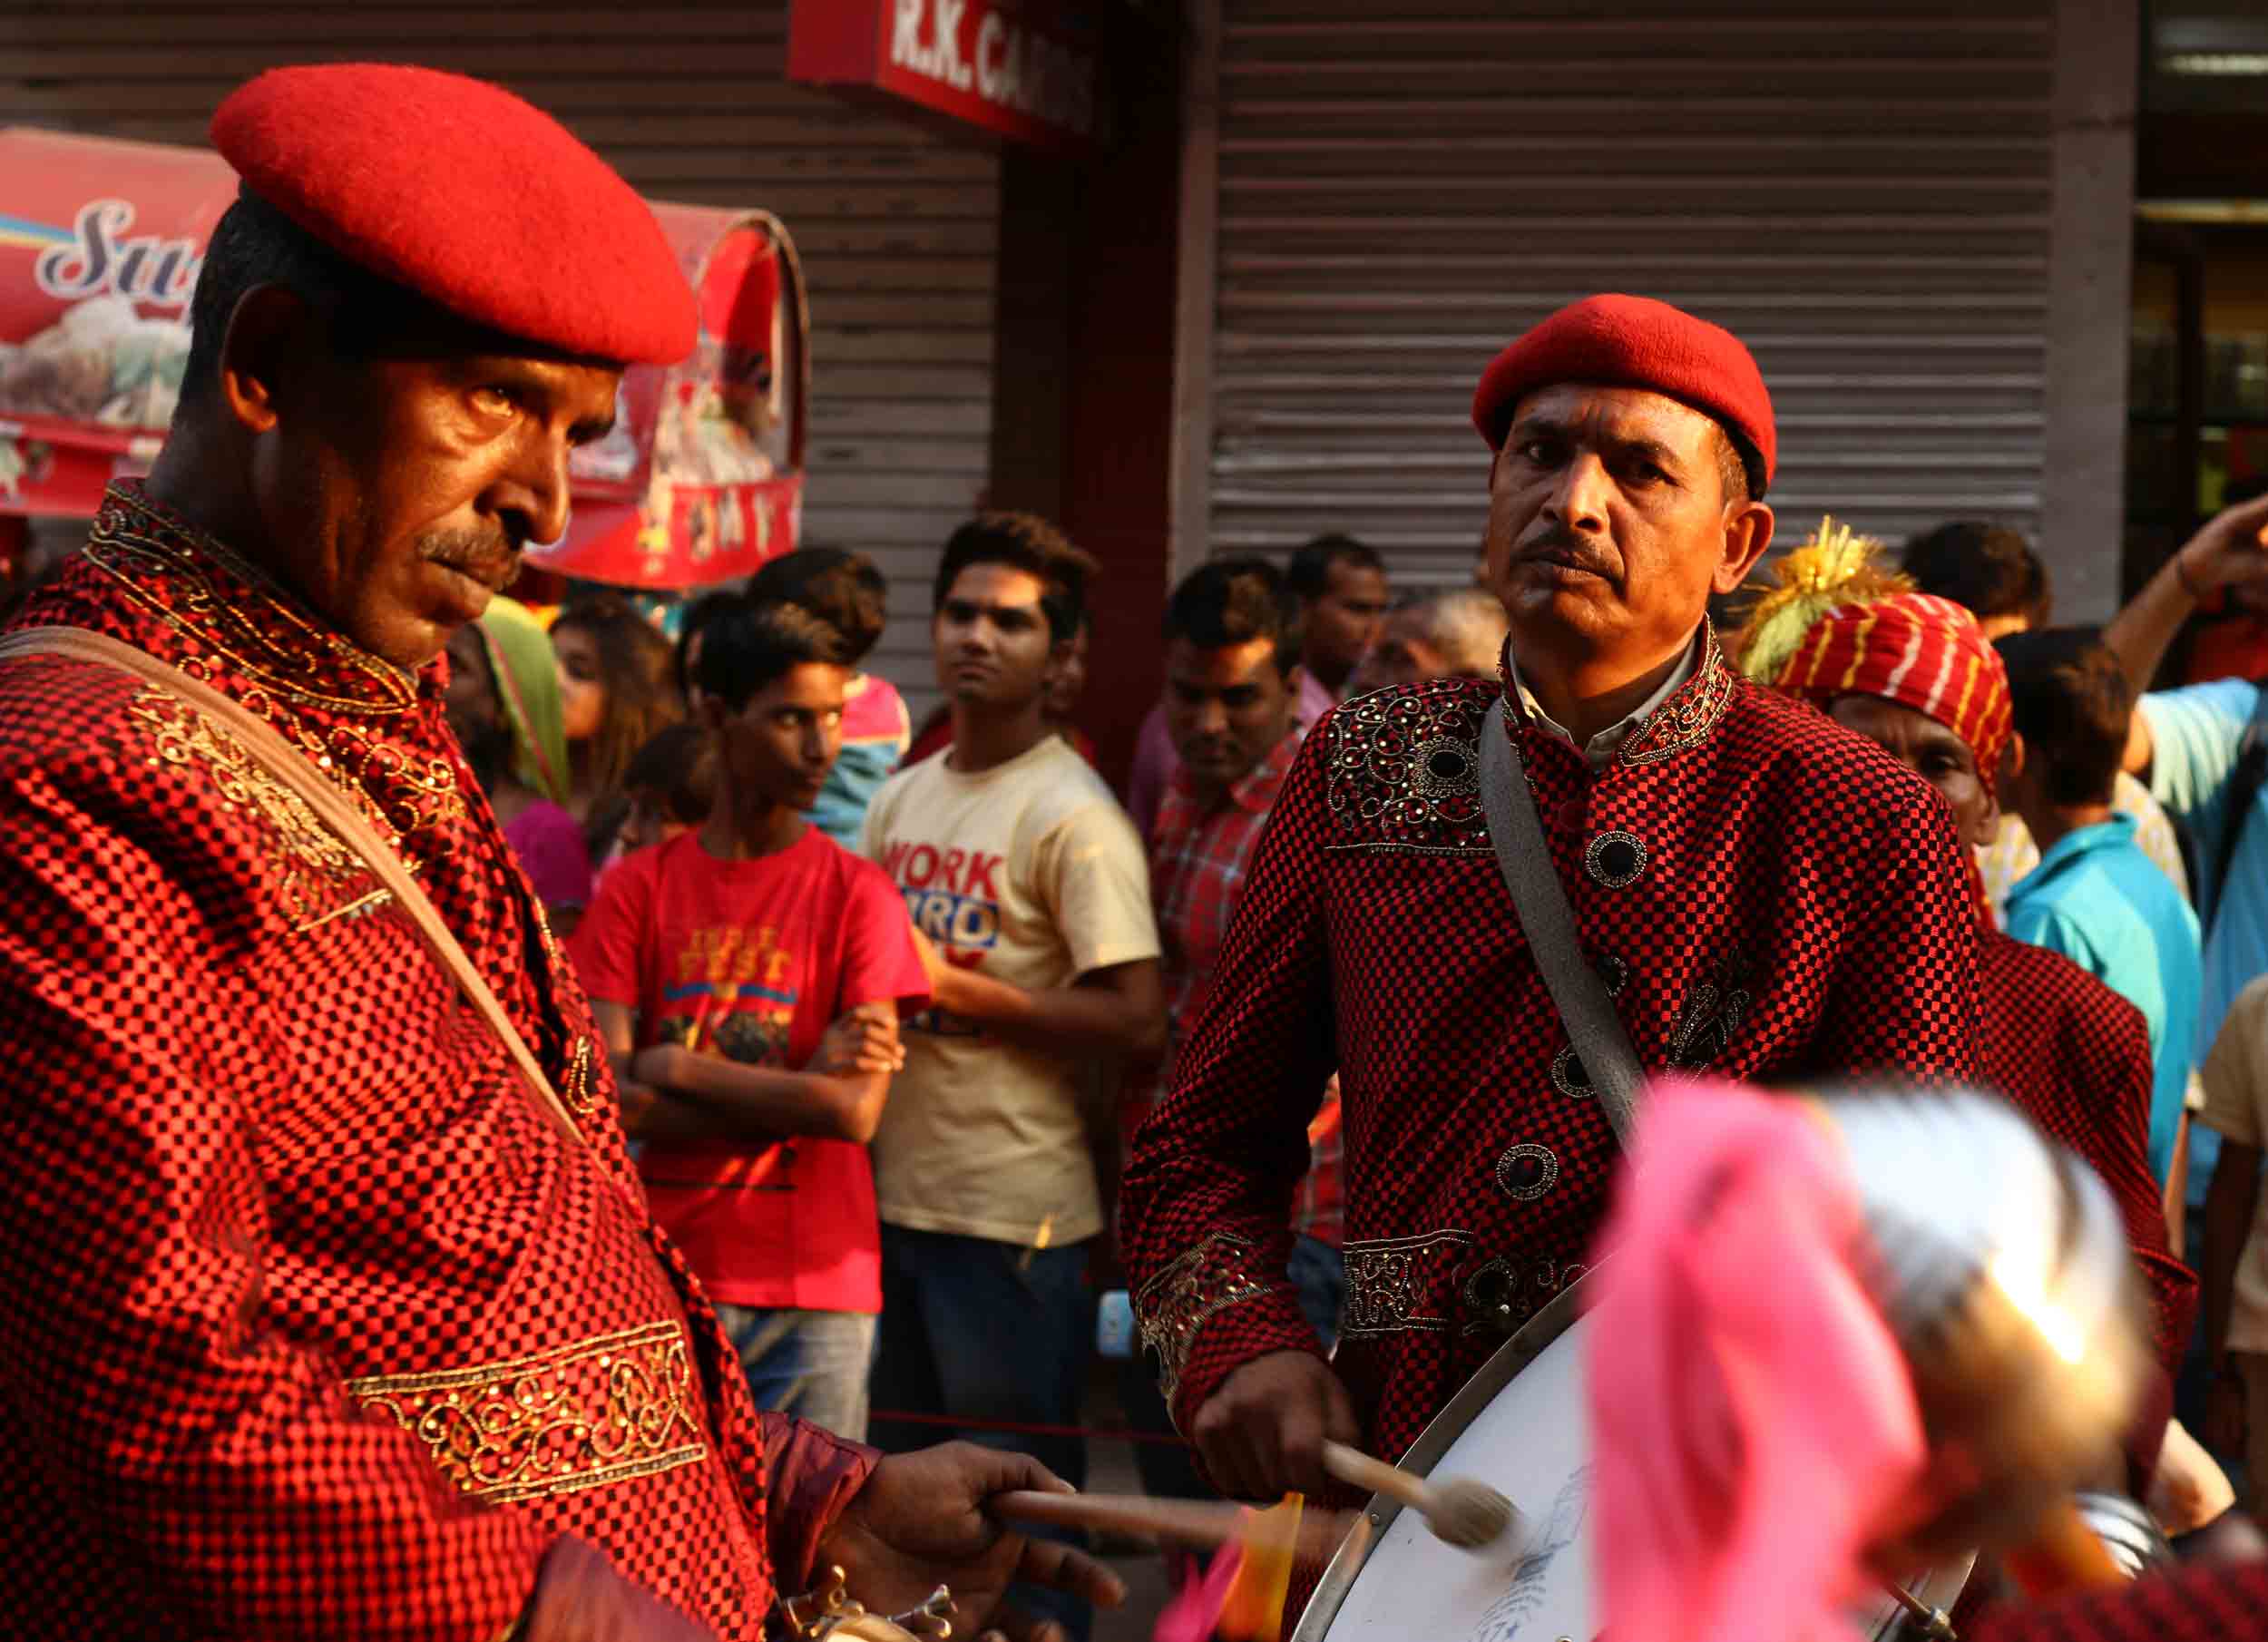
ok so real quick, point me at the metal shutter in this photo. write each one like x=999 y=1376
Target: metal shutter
x=1862 y=193
x=897 y=227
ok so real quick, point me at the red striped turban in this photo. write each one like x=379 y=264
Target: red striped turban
x=1919 y=651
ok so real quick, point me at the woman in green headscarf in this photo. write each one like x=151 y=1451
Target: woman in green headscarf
x=504 y=703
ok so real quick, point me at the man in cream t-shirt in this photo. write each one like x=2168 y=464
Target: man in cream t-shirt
x=1027 y=884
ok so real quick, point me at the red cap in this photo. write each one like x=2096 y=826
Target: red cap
x=474 y=200
x=1634 y=342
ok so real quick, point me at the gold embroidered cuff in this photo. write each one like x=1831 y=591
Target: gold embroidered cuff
x=581 y=1415
x=1173 y=1306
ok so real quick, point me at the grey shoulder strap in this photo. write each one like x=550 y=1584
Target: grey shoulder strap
x=274 y=755
x=1610 y=1064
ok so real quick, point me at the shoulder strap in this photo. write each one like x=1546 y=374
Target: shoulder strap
x=2246 y=780
x=276 y=757
x=1610 y=1065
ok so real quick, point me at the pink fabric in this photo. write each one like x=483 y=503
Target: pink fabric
x=550 y=849
x=1196 y=1608
x=1753 y=1422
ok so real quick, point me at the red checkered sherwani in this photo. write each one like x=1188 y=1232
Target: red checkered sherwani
x=1766 y=894
x=311 y=1324
x=2075 y=1057
x=2198 y=1602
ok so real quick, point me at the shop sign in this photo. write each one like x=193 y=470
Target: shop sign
x=1016 y=70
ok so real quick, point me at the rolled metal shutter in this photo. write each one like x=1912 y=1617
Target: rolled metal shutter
x=898 y=227
x=1859 y=192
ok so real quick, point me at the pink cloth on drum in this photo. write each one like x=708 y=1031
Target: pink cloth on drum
x=1752 y=1423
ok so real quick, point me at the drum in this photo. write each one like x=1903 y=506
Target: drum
x=1520 y=1426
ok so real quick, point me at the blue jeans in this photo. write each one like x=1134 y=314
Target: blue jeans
x=814 y=1365
x=983 y=1330
x=1318 y=1272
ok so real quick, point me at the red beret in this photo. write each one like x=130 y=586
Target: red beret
x=474 y=200
x=1633 y=342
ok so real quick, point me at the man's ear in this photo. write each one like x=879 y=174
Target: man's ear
x=1747 y=534
x=272 y=336
x=2012 y=760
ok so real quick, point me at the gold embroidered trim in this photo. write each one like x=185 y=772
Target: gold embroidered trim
x=274 y=648
x=308 y=857
x=577 y=1084
x=136 y=544
x=1389 y=1280
x=596 y=1412
x=1690 y=715
x=1181 y=1299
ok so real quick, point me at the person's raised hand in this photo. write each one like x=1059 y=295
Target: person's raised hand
x=1261 y=1432
x=920 y=1522
x=2230 y=550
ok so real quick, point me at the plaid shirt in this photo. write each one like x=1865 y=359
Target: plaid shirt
x=1196 y=869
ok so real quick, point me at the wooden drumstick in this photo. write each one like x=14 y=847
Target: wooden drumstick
x=1185 y=1521
x=1462 y=1512
x=1199 y=1524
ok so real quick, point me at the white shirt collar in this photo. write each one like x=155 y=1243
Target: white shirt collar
x=1600 y=752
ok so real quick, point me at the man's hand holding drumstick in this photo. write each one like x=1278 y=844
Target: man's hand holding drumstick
x=1261 y=1435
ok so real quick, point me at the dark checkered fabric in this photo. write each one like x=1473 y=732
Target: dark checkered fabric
x=310 y=1325
x=2075 y=1056
x=2198 y=1602
x=1766 y=895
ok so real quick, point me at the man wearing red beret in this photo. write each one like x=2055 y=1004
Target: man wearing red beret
x=318 y=1318
x=1757 y=892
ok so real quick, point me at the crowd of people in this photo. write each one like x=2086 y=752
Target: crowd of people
x=886 y=1023
x=524 y=1234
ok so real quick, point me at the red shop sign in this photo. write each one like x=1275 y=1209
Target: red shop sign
x=1015 y=68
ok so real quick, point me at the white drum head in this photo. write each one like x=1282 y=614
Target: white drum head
x=1521 y=1425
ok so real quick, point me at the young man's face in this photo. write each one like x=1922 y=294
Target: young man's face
x=993 y=648
x=1930 y=751
x=780 y=745
x=1226 y=709
x=1343 y=620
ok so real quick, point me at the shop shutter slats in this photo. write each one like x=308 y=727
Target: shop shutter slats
x=1863 y=194
x=898 y=227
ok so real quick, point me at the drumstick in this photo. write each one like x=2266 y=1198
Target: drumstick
x=1201 y=1524
x=1460 y=1511
x=1185 y=1521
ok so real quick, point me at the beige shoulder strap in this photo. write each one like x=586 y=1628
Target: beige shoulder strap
x=1524 y=857
x=278 y=758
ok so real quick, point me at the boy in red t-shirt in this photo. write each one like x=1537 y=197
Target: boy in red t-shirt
x=717 y=962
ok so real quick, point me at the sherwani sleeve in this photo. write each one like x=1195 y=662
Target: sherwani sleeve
x=1207 y=1192
x=809 y=1475
x=225 y=1460
x=1904 y=997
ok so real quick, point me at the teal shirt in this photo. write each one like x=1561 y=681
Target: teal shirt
x=2197 y=733
x=2099 y=901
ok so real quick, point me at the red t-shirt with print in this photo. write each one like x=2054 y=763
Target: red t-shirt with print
x=752 y=960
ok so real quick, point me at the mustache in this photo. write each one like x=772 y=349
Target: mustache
x=473 y=550
x=1558 y=542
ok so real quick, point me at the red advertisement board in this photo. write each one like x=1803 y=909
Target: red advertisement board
x=1018 y=69
x=100 y=241
x=99 y=246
